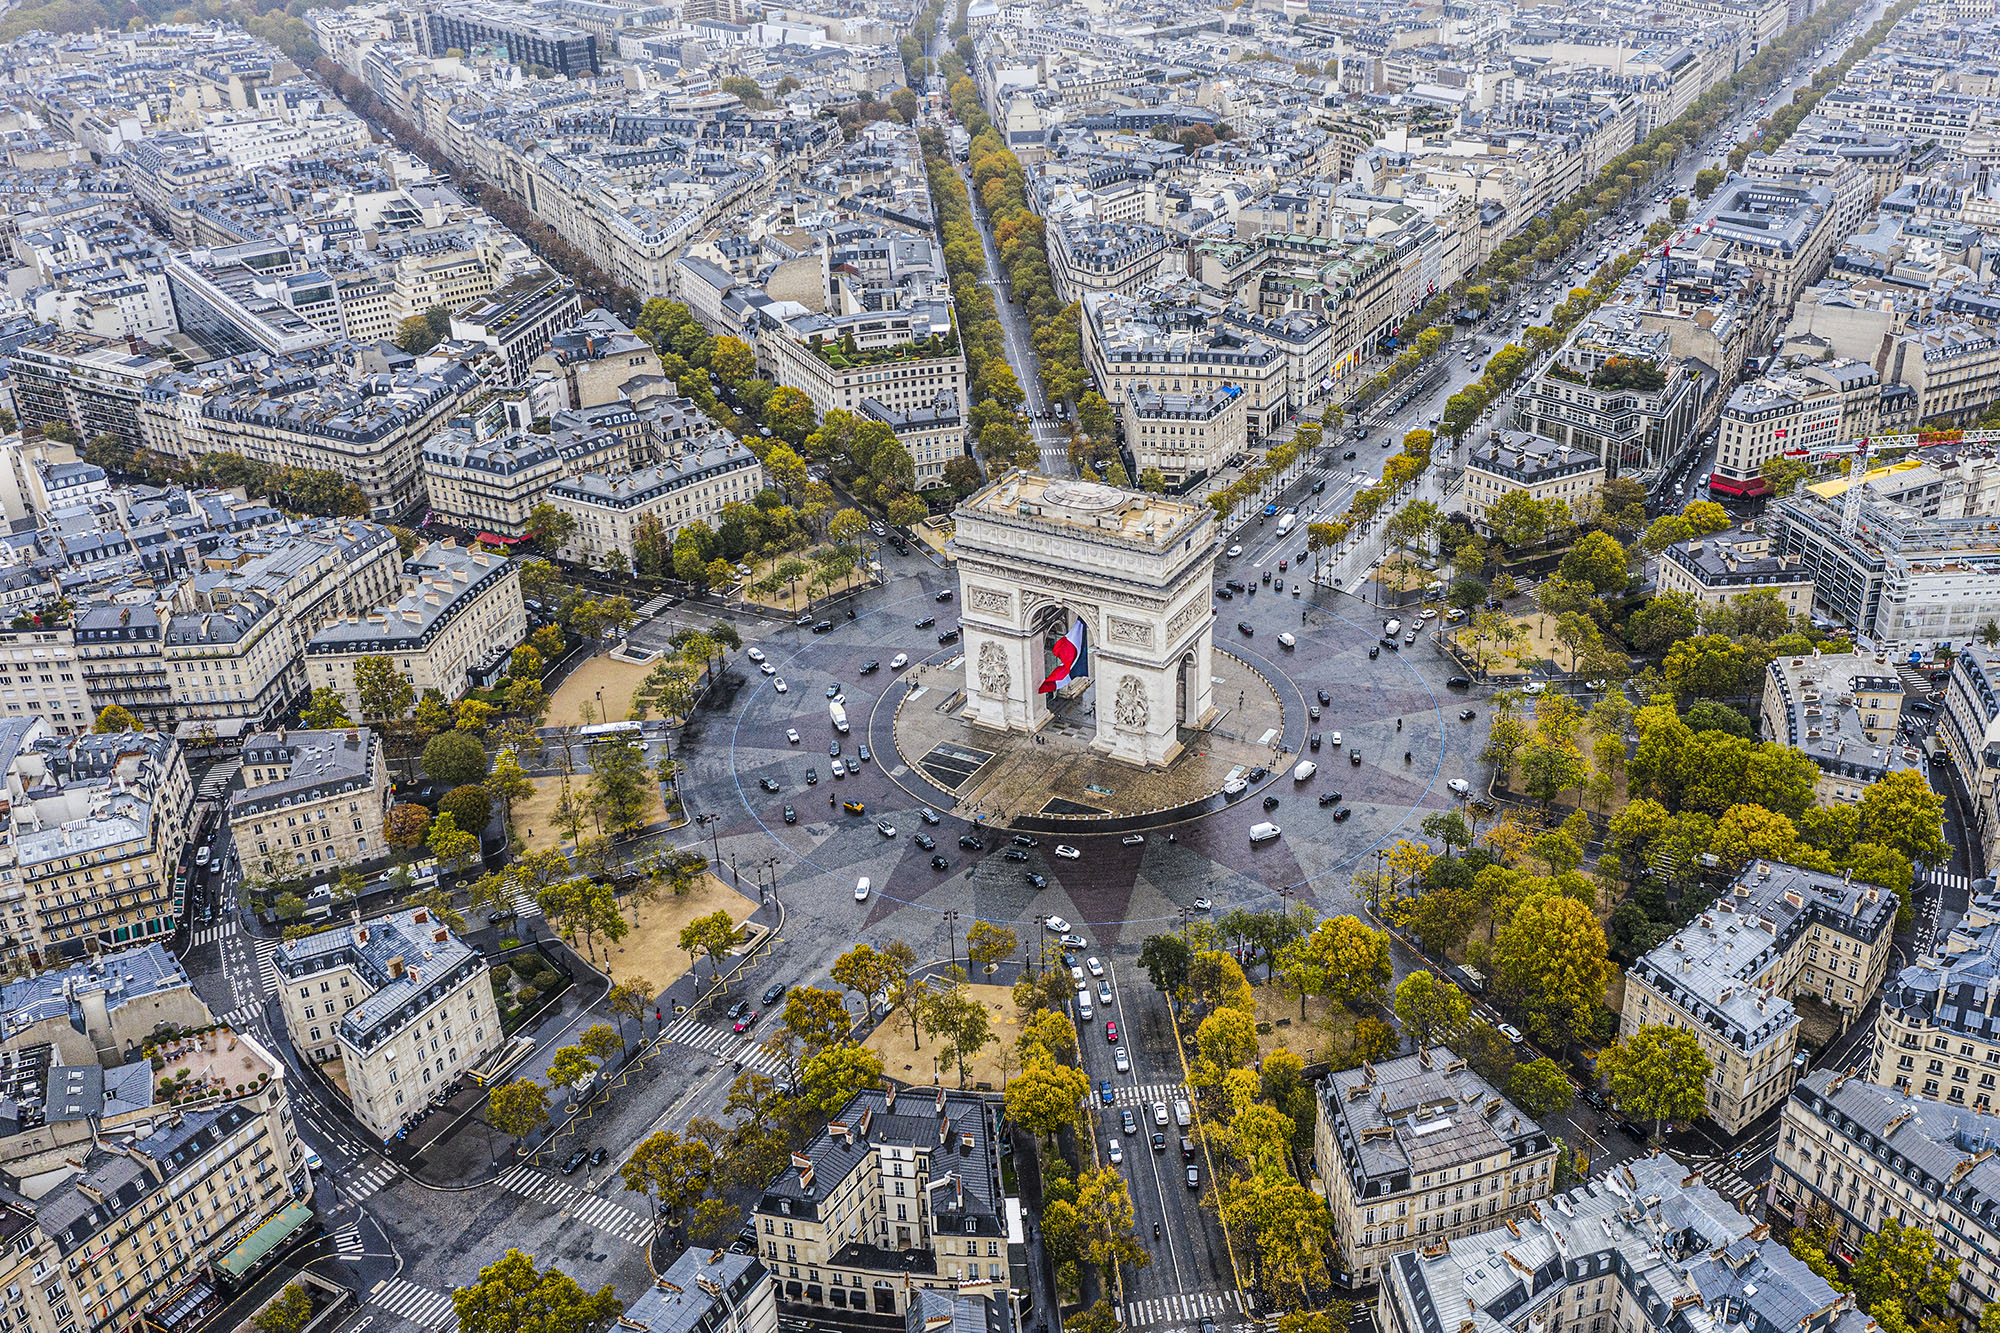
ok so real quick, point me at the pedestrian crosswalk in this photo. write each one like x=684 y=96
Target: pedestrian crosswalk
x=589 y=1209
x=267 y=971
x=1185 y=1308
x=347 y=1243
x=244 y=1016
x=1143 y=1095
x=365 y=1180
x=743 y=1052
x=213 y=934
x=1946 y=879
x=420 y=1305
x=217 y=780
x=526 y=905
x=1719 y=1176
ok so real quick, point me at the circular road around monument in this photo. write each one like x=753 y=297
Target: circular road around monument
x=1380 y=706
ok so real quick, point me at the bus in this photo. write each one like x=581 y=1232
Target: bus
x=602 y=731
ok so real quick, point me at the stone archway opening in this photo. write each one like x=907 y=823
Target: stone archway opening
x=1047 y=624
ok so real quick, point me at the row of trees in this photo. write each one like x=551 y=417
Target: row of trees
x=1774 y=129
x=1256 y=1115
x=296 y=490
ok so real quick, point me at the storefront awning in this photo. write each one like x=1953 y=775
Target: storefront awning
x=267 y=1237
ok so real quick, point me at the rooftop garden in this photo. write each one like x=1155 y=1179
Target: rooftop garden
x=844 y=355
x=1626 y=372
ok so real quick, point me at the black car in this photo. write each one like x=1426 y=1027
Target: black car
x=1348 y=454
x=1459 y=683
x=1235 y=585
x=927 y=622
x=971 y=843
x=925 y=841
x=1467 y=714
x=1319 y=486
x=791 y=815
x=1354 y=758
x=1259 y=773
x=1246 y=627
x=574 y=1161
x=1024 y=840
x=1315 y=740
x=1340 y=815
x=1374 y=651
x=822 y=626
x=944 y=596
x=598 y=1156
x=812 y=777
x=774 y=992
x=1277 y=585
x=768 y=784
x=1324 y=697
x=1225 y=594
x=833 y=749
x=1016 y=854
x=949 y=636
x=939 y=863
x=871 y=666
x=929 y=816
x=1270 y=803
x=1329 y=798
x=1039 y=881
x=740 y=1008
x=1159 y=1140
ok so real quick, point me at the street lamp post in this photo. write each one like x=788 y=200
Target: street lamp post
x=951 y=934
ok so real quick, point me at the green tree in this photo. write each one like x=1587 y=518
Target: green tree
x=383 y=691
x=405 y=826
x=289 y=1313
x=114 y=718
x=469 y=806
x=1901 y=1272
x=1045 y=1096
x=1902 y=813
x=1657 y=1073
x=1550 y=959
x=712 y=936
x=669 y=1170
x=518 y=1108
x=816 y=1017
x=987 y=945
x=1227 y=1038
x=1540 y=1087
x=1598 y=561
x=829 y=1080
x=451 y=845
x=1706 y=182
x=1165 y=959
x=620 y=785
x=512 y=1296
x=326 y=710
x=1430 y=1010
x=1105 y=1220
x=454 y=758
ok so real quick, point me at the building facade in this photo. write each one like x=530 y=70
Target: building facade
x=309 y=799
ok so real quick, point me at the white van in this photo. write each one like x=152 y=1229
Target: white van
x=1286 y=640
x=1083 y=1009
x=1181 y=1116
x=861 y=889
x=1306 y=768
x=1263 y=832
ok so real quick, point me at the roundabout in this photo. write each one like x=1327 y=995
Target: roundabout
x=1001 y=800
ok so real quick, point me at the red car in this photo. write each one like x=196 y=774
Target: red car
x=1111 y=1033
x=746 y=1021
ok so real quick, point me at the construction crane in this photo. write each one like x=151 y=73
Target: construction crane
x=1876 y=446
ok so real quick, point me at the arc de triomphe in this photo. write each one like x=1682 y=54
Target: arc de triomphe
x=1034 y=552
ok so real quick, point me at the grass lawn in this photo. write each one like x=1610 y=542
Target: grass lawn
x=653 y=948
x=576 y=699
x=535 y=817
x=907 y=1063
x=1324 y=1027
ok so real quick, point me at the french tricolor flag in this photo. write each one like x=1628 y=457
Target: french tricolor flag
x=1070 y=659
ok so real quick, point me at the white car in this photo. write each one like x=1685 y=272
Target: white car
x=781 y=687
x=1510 y=1032
x=1236 y=786
x=861 y=889
x=1104 y=991
x=1067 y=852
x=1333 y=738
x=1428 y=613
x=1204 y=904
x=1535 y=687
x=1082 y=986
x=792 y=735
x=1057 y=925
x=1595 y=684
x=767 y=668
x=1096 y=968
x=1115 y=1153
x=1459 y=786
x=839 y=767
x=754 y=654
x=1122 y=1060
x=899 y=661
x=1233 y=552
